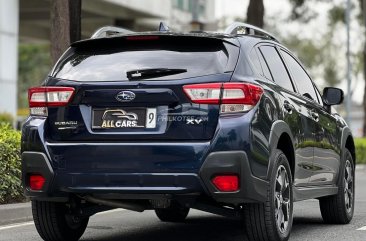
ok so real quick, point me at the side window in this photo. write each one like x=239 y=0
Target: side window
x=265 y=69
x=255 y=60
x=276 y=66
x=302 y=80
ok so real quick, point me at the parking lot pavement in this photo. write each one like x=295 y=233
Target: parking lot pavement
x=130 y=226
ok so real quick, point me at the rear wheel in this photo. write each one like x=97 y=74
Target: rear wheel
x=338 y=209
x=55 y=223
x=272 y=220
x=175 y=213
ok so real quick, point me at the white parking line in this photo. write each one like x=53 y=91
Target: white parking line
x=16 y=225
x=362 y=229
x=31 y=222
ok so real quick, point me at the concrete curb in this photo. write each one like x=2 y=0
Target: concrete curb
x=15 y=213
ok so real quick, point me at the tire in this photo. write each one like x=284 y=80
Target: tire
x=54 y=224
x=175 y=213
x=272 y=220
x=339 y=208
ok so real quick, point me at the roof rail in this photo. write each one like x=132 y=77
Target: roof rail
x=238 y=28
x=108 y=31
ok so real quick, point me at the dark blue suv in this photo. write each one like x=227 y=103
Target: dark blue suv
x=228 y=123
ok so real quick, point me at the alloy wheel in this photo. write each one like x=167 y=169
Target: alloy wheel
x=282 y=199
x=348 y=186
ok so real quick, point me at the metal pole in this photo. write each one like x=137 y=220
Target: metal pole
x=349 y=66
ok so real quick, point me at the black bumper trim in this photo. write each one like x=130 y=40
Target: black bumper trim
x=252 y=189
x=36 y=163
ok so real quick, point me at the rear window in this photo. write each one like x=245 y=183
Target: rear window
x=113 y=59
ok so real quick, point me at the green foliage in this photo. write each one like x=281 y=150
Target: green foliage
x=327 y=49
x=6 y=118
x=307 y=50
x=336 y=14
x=34 y=65
x=10 y=165
x=301 y=11
x=360 y=144
x=314 y=54
x=330 y=73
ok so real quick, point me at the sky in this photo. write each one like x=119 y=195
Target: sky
x=280 y=10
x=239 y=7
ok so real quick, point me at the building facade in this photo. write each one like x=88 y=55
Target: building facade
x=29 y=21
x=9 y=22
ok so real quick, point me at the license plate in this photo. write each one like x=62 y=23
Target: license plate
x=124 y=118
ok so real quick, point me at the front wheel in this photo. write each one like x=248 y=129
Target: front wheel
x=338 y=209
x=54 y=223
x=272 y=220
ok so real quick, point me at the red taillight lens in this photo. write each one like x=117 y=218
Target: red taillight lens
x=226 y=183
x=241 y=93
x=49 y=96
x=234 y=97
x=42 y=97
x=36 y=182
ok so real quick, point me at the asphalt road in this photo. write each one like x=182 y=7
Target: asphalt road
x=130 y=226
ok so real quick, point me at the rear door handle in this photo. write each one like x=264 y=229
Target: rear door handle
x=288 y=107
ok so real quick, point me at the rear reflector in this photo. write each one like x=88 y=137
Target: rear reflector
x=36 y=182
x=226 y=183
x=42 y=97
x=233 y=97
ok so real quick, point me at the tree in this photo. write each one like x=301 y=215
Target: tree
x=65 y=25
x=255 y=13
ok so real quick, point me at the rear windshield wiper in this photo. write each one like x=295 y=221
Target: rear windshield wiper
x=152 y=73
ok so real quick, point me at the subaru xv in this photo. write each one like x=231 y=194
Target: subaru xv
x=228 y=123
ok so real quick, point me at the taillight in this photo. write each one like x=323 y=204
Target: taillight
x=36 y=182
x=226 y=183
x=234 y=97
x=204 y=93
x=42 y=97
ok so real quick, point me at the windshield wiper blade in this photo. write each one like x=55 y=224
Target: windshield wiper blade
x=152 y=73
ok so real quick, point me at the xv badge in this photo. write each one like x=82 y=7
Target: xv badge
x=193 y=121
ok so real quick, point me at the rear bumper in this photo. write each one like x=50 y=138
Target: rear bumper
x=61 y=183
x=252 y=189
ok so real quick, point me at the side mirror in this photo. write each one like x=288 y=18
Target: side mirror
x=332 y=96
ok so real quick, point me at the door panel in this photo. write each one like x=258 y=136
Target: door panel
x=326 y=153
x=304 y=149
x=296 y=115
x=320 y=139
